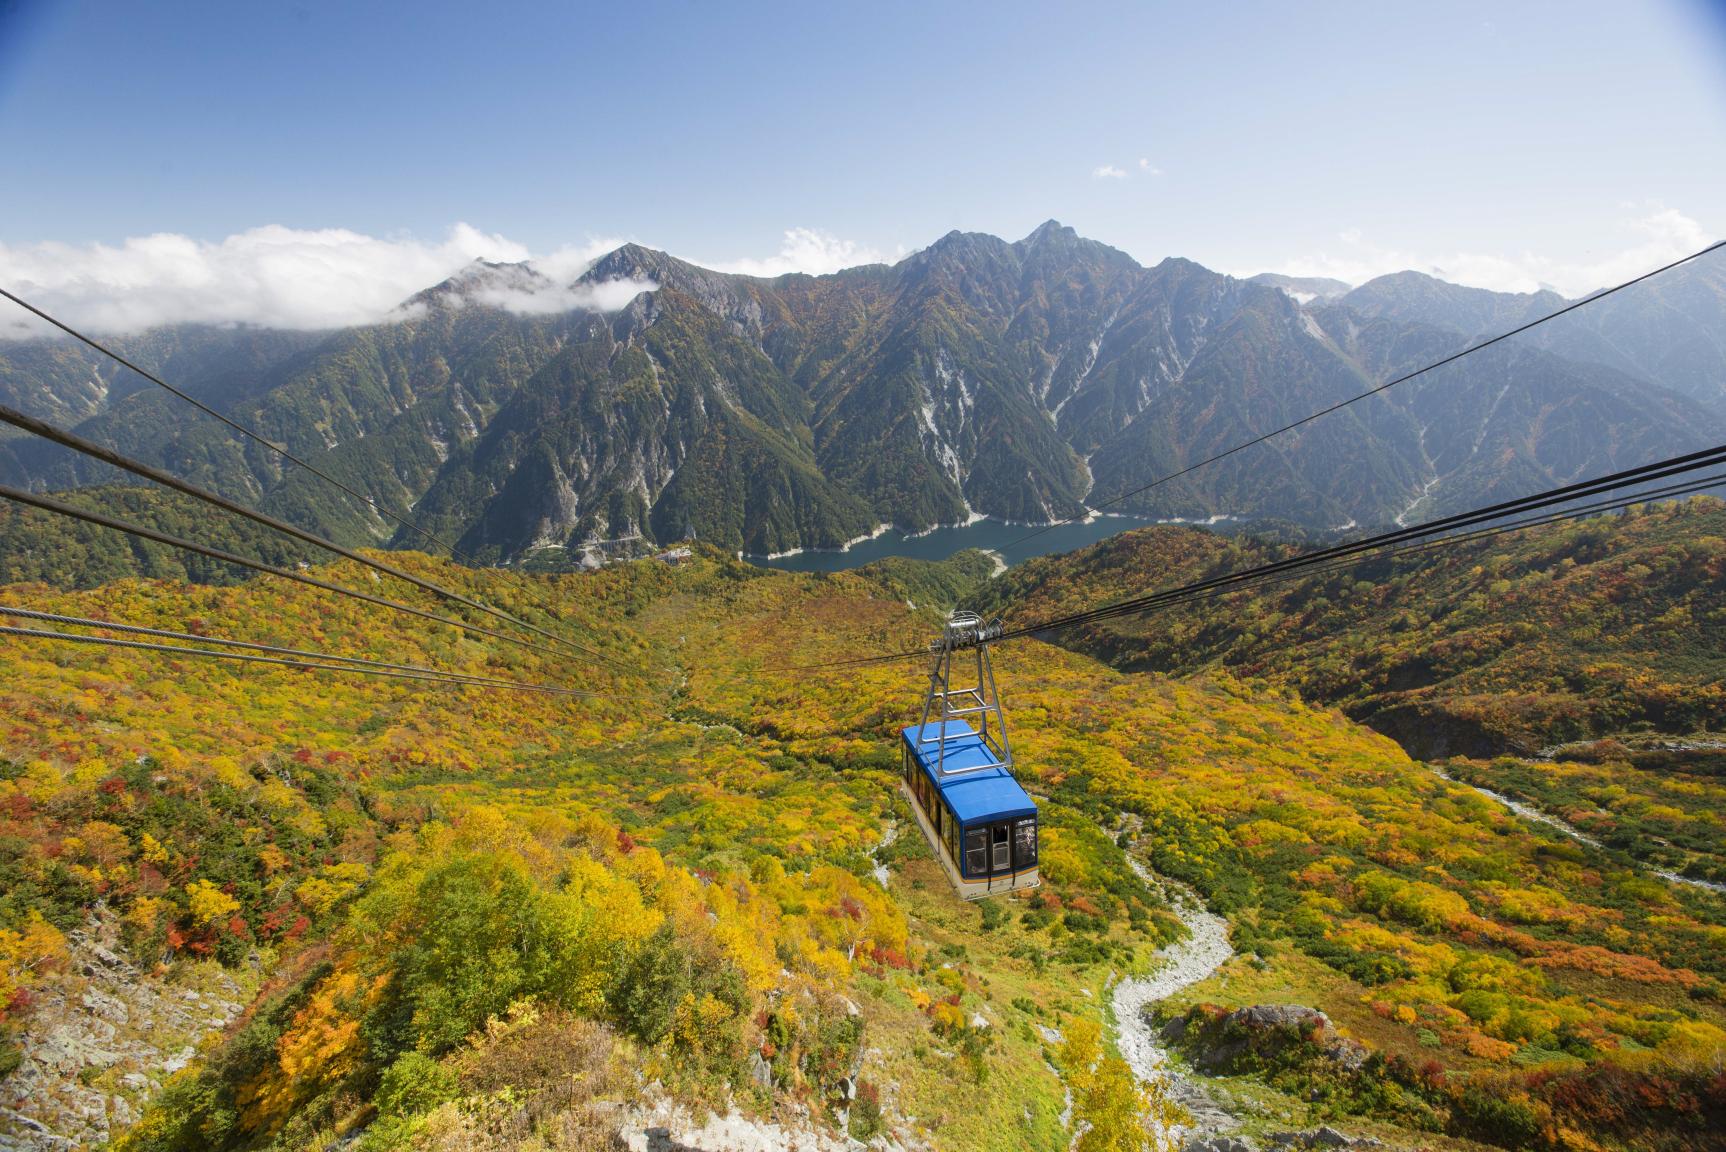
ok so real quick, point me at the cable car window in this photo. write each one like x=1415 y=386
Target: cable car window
x=976 y=851
x=1003 y=849
x=1025 y=843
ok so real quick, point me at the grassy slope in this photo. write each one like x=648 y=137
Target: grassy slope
x=765 y=790
x=1671 y=818
x=1559 y=633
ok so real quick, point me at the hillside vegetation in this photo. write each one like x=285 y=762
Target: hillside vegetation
x=1565 y=632
x=489 y=921
x=38 y=546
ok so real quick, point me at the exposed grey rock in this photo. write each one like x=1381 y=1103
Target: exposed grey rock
x=1219 y=1144
x=1245 y=1028
x=1279 y=1016
x=97 y=1042
x=1320 y=1138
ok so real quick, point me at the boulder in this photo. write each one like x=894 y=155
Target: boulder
x=1219 y=1144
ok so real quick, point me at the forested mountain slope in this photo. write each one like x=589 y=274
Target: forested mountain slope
x=977 y=376
x=477 y=920
x=1565 y=632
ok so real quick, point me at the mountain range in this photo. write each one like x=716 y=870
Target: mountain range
x=1025 y=381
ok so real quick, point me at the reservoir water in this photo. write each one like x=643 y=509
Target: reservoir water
x=996 y=536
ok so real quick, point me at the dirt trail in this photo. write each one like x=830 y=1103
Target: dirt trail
x=1186 y=963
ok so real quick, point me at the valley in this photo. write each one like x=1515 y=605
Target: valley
x=862 y=578
x=720 y=833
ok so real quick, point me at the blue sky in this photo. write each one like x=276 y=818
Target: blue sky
x=1498 y=143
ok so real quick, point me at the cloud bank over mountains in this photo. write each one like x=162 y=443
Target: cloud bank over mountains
x=279 y=277
x=313 y=279
x=283 y=277
x=1656 y=236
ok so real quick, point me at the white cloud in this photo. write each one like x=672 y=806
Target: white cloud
x=275 y=276
x=1658 y=236
x=807 y=250
x=1148 y=168
x=569 y=262
x=527 y=290
x=1108 y=172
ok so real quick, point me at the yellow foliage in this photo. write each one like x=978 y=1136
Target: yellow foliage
x=321 y=1046
x=208 y=903
x=699 y=1026
x=318 y=894
x=1081 y=1048
x=227 y=771
x=26 y=955
x=947 y=1017
x=274 y=860
x=144 y=913
x=154 y=851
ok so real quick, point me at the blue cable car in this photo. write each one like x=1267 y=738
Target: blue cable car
x=981 y=825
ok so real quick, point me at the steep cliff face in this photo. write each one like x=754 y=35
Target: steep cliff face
x=668 y=421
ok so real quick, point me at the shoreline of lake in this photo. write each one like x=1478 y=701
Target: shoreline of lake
x=1008 y=542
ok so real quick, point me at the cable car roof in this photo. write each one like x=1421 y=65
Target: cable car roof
x=983 y=791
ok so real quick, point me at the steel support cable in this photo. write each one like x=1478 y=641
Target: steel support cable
x=108 y=456
x=114 y=642
x=1674 y=466
x=48 y=504
x=1394 y=552
x=277 y=650
x=1256 y=577
x=230 y=422
x=1385 y=387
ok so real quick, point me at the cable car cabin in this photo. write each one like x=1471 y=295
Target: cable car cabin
x=979 y=821
x=959 y=778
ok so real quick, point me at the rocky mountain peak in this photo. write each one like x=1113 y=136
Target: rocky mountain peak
x=1049 y=231
x=634 y=262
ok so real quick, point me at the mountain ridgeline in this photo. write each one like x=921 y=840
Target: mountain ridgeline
x=1023 y=381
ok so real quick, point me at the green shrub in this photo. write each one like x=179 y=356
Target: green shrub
x=993 y=916
x=413 y=1085
x=866 y=1112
